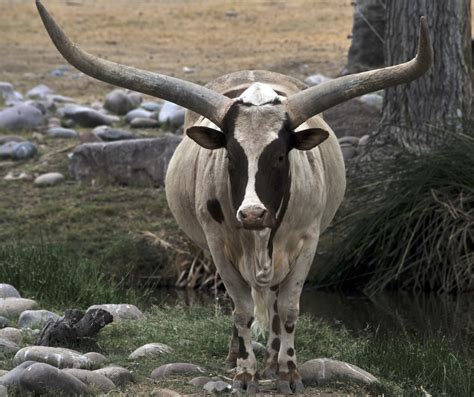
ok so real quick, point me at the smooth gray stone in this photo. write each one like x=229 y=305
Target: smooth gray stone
x=12 y=377
x=8 y=93
x=364 y=140
x=200 y=381
x=3 y=391
x=57 y=356
x=10 y=138
x=151 y=106
x=118 y=375
x=137 y=113
x=4 y=322
x=12 y=334
x=92 y=379
x=20 y=117
x=121 y=102
x=43 y=105
x=217 y=387
x=136 y=162
x=35 y=318
x=45 y=379
x=39 y=92
x=351 y=140
x=348 y=151
x=122 y=311
x=316 y=79
x=60 y=71
x=60 y=98
x=322 y=370
x=176 y=369
x=112 y=134
x=8 y=347
x=172 y=114
x=60 y=132
x=150 y=350
x=84 y=116
x=140 y=122
x=374 y=100
x=49 y=179
x=13 y=307
x=18 y=150
x=8 y=291
x=96 y=359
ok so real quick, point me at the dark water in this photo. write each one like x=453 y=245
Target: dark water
x=416 y=316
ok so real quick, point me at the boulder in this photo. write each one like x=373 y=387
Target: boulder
x=92 y=379
x=121 y=102
x=121 y=311
x=35 y=318
x=11 y=334
x=49 y=179
x=349 y=140
x=10 y=138
x=56 y=356
x=137 y=113
x=322 y=370
x=316 y=79
x=8 y=93
x=176 y=369
x=140 y=122
x=138 y=162
x=21 y=117
x=118 y=375
x=39 y=92
x=8 y=291
x=217 y=387
x=85 y=117
x=3 y=391
x=13 y=307
x=150 y=350
x=96 y=359
x=374 y=100
x=60 y=132
x=172 y=115
x=4 y=322
x=12 y=377
x=151 y=106
x=18 y=150
x=113 y=134
x=7 y=347
x=348 y=151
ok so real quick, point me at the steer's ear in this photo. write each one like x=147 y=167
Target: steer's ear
x=208 y=138
x=308 y=139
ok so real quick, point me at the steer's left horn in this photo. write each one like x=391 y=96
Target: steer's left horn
x=305 y=104
x=201 y=100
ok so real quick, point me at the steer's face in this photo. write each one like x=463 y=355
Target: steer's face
x=258 y=140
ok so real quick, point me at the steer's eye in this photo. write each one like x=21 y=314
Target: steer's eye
x=281 y=158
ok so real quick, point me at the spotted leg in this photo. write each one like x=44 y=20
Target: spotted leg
x=289 y=379
x=274 y=335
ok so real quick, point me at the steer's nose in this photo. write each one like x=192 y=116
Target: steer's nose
x=252 y=217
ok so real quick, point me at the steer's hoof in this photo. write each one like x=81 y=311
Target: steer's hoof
x=246 y=382
x=289 y=383
x=270 y=372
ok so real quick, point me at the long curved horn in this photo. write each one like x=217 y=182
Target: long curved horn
x=201 y=100
x=305 y=104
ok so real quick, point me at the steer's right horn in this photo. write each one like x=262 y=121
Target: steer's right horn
x=199 y=99
x=306 y=104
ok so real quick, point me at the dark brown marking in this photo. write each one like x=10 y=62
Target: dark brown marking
x=274 y=288
x=242 y=351
x=276 y=325
x=275 y=306
x=214 y=208
x=291 y=352
x=235 y=332
x=249 y=324
x=291 y=366
x=276 y=344
x=289 y=327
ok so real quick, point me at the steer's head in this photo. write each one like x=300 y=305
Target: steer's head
x=258 y=136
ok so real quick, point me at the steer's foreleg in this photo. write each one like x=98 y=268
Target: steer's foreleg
x=288 y=304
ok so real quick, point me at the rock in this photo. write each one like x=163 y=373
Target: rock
x=172 y=114
x=218 y=387
x=152 y=106
x=89 y=137
x=20 y=117
x=59 y=132
x=321 y=370
x=13 y=307
x=316 y=79
x=176 y=369
x=44 y=106
x=350 y=140
x=86 y=117
x=12 y=377
x=120 y=102
x=12 y=334
x=348 y=151
x=144 y=123
x=35 y=318
x=258 y=347
x=15 y=176
x=39 y=92
x=121 y=311
x=60 y=71
x=4 y=322
x=138 y=162
x=8 y=93
x=137 y=113
x=92 y=379
x=364 y=140
x=18 y=150
x=164 y=393
x=60 y=98
x=3 y=391
x=112 y=134
x=10 y=138
x=8 y=347
x=8 y=291
x=42 y=378
x=200 y=381
x=96 y=359
x=150 y=350
x=118 y=375
x=49 y=179
x=56 y=356
x=374 y=100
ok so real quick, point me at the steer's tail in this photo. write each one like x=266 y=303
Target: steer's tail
x=260 y=325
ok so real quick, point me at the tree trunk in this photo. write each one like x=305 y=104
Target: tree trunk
x=442 y=97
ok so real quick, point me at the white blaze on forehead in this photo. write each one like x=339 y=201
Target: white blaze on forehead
x=256 y=127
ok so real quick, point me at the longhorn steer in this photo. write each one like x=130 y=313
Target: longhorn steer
x=256 y=180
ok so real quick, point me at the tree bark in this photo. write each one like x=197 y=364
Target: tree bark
x=440 y=99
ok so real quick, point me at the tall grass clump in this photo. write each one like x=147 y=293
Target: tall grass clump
x=408 y=222
x=60 y=278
